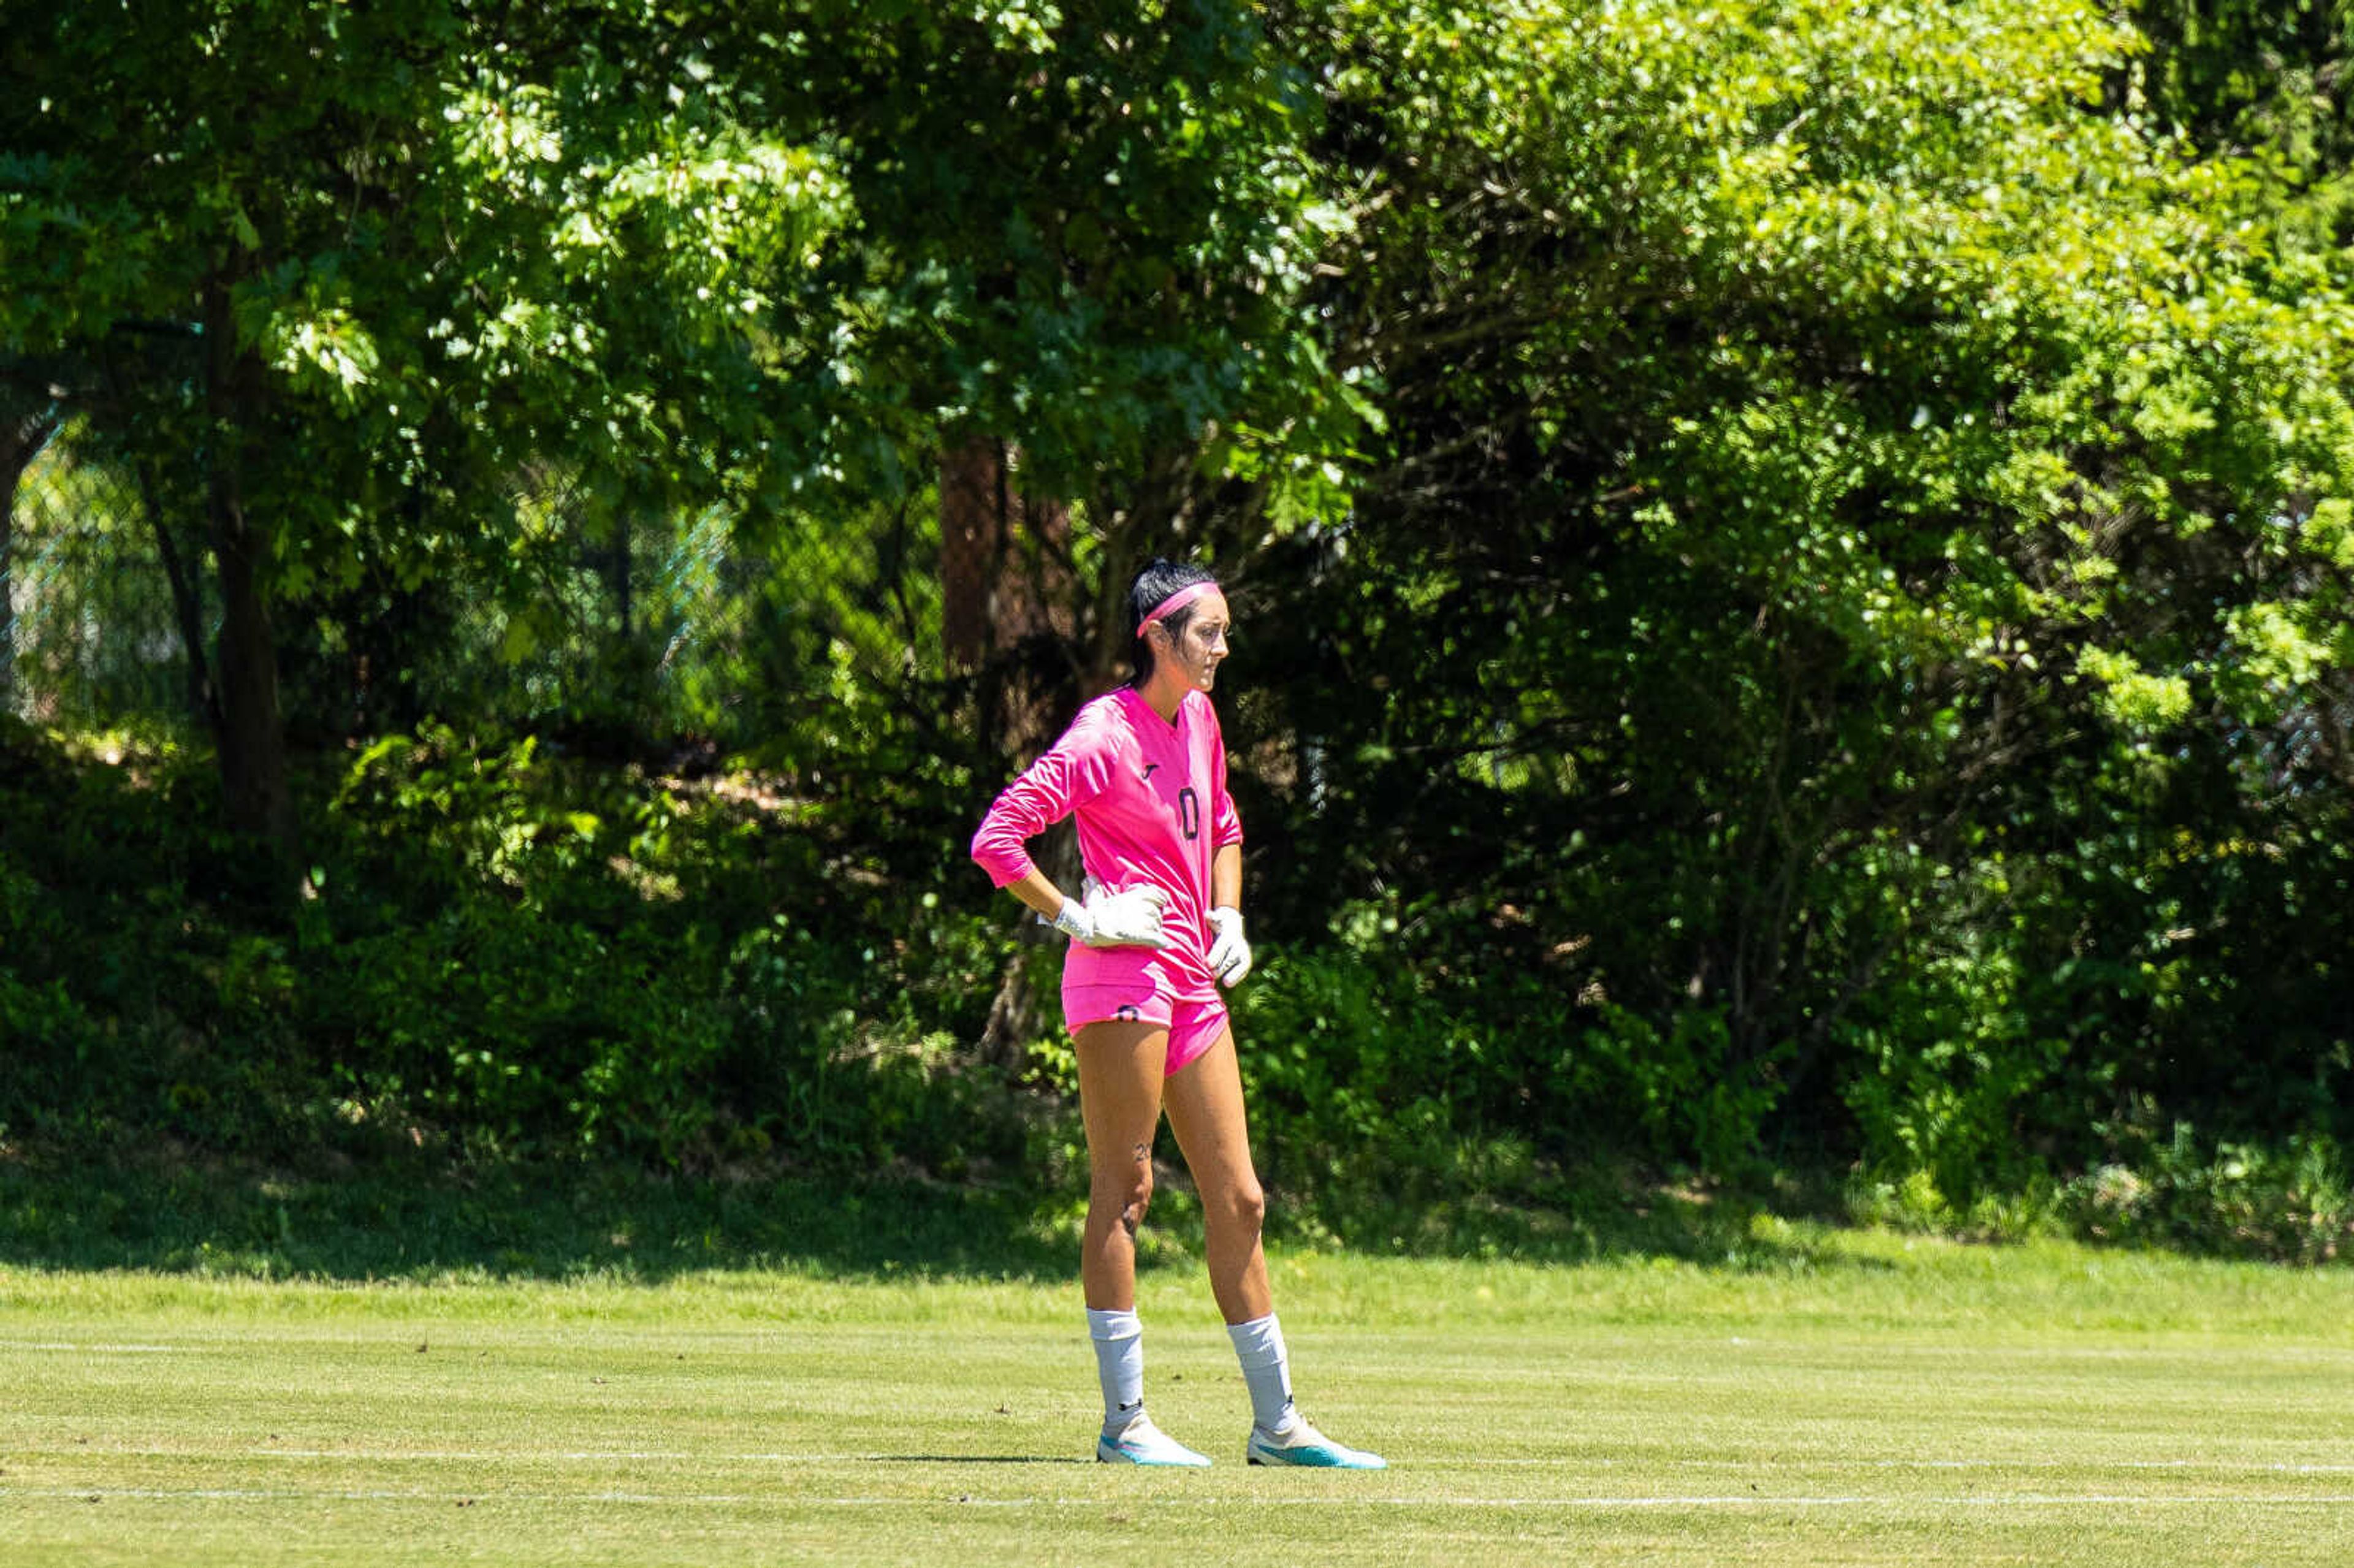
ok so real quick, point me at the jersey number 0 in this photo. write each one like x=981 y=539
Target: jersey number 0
x=1189 y=813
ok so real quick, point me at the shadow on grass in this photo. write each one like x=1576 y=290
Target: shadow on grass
x=193 y=1215
x=509 y=1223
x=1606 y=1214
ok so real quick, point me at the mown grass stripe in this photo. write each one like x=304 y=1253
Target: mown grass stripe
x=497 y=1494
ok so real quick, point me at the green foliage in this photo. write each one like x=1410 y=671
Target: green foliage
x=1347 y=1076
x=1793 y=564
x=497 y=957
x=1088 y=234
x=2292 y=1202
x=1808 y=429
x=2253 y=75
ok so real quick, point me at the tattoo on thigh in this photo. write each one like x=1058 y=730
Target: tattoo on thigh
x=1143 y=1152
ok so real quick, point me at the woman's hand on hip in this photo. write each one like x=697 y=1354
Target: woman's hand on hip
x=1130 y=917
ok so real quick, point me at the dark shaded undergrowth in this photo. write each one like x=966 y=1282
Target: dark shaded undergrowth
x=530 y=1014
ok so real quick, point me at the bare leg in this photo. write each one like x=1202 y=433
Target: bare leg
x=1205 y=1112
x=1120 y=1071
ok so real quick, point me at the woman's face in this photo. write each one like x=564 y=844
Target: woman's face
x=1196 y=652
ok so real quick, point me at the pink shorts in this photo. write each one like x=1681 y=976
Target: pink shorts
x=1193 y=1026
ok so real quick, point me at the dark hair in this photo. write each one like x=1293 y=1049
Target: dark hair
x=1155 y=582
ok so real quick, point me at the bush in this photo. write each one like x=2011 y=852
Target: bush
x=2290 y=1202
x=498 y=954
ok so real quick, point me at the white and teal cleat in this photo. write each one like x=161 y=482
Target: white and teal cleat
x=1142 y=1443
x=1300 y=1444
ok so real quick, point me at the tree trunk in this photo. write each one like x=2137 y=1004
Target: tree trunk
x=1149 y=515
x=972 y=541
x=188 y=604
x=1009 y=612
x=1007 y=601
x=252 y=736
x=23 y=433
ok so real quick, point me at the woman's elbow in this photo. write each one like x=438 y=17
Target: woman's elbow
x=1002 y=861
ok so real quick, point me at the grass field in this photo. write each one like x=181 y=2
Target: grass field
x=1826 y=1397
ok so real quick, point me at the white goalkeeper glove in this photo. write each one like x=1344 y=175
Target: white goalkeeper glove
x=1130 y=917
x=1230 y=955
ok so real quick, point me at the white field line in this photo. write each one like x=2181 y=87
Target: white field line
x=709 y=1457
x=61 y=1347
x=1751 y=1503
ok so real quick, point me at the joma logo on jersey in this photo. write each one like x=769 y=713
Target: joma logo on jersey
x=1149 y=768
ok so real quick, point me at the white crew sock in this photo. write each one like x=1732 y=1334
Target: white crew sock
x=1266 y=1368
x=1120 y=1365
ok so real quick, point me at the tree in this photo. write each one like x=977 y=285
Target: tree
x=418 y=248
x=1083 y=236
x=1807 y=423
x=2265 y=81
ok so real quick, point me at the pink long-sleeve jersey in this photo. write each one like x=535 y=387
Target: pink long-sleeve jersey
x=1152 y=810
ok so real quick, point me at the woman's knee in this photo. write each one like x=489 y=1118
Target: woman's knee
x=1239 y=1207
x=1126 y=1196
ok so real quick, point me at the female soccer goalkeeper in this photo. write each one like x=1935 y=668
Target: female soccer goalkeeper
x=1158 y=927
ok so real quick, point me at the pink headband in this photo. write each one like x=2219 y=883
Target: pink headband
x=1175 y=602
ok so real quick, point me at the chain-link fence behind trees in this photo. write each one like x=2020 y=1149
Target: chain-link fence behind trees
x=94 y=639
x=683 y=631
